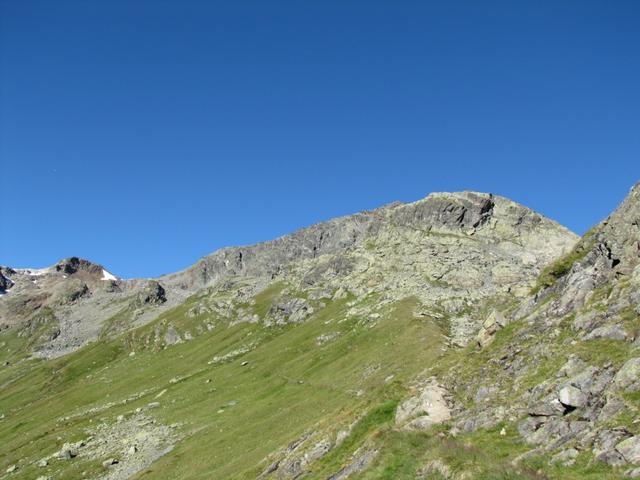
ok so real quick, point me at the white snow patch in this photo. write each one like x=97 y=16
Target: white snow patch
x=34 y=272
x=108 y=276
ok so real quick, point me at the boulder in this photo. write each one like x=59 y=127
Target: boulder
x=172 y=337
x=427 y=408
x=294 y=310
x=494 y=322
x=609 y=332
x=586 y=321
x=67 y=452
x=633 y=473
x=610 y=457
x=108 y=462
x=547 y=408
x=572 y=397
x=565 y=457
x=574 y=366
x=628 y=377
x=630 y=449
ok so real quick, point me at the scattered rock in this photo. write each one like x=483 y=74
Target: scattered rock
x=109 y=461
x=359 y=464
x=326 y=338
x=67 y=452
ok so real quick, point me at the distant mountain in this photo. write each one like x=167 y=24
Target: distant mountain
x=460 y=336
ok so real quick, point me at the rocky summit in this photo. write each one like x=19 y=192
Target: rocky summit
x=461 y=336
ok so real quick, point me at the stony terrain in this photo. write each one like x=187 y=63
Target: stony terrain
x=460 y=336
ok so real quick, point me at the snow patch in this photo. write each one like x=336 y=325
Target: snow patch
x=108 y=276
x=34 y=272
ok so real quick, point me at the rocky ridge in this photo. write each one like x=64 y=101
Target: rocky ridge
x=450 y=249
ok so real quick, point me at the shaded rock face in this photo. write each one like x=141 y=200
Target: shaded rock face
x=72 y=265
x=153 y=293
x=5 y=283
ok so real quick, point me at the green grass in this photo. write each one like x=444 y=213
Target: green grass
x=290 y=385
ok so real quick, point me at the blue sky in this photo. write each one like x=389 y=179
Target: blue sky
x=143 y=135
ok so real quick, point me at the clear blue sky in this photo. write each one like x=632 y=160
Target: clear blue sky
x=145 y=134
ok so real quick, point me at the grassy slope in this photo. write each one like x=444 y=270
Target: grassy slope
x=290 y=385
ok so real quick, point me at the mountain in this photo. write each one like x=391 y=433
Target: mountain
x=460 y=336
x=451 y=250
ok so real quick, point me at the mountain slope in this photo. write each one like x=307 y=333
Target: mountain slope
x=475 y=244
x=427 y=340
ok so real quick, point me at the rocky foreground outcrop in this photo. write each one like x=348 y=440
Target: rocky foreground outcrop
x=568 y=371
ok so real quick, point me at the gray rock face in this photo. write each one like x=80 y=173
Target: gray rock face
x=630 y=450
x=5 y=283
